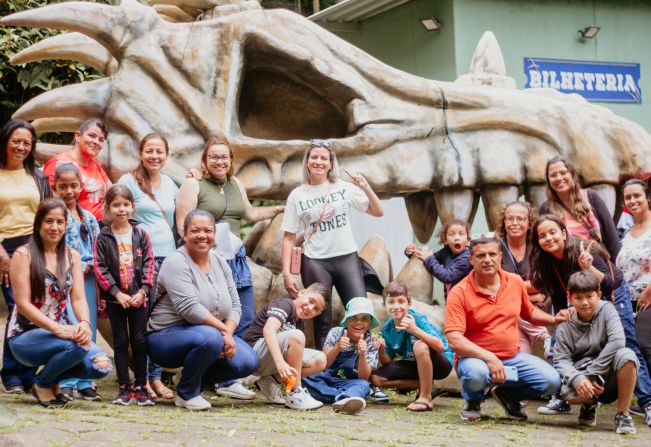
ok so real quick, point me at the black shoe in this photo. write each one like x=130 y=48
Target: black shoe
x=66 y=394
x=378 y=395
x=588 y=414
x=511 y=406
x=125 y=396
x=89 y=394
x=471 y=410
x=142 y=397
x=16 y=388
x=54 y=403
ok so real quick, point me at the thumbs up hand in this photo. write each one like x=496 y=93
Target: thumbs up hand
x=344 y=341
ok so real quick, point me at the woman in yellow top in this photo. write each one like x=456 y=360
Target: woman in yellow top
x=22 y=187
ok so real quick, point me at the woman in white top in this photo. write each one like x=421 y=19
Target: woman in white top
x=321 y=207
x=634 y=260
x=154 y=195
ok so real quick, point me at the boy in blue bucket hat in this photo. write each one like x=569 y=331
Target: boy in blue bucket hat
x=352 y=354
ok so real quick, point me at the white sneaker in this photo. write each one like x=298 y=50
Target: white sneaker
x=176 y=378
x=235 y=391
x=349 y=405
x=300 y=399
x=196 y=403
x=271 y=389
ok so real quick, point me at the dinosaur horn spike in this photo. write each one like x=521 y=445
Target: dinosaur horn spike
x=69 y=46
x=105 y=24
x=83 y=100
x=45 y=151
x=44 y=125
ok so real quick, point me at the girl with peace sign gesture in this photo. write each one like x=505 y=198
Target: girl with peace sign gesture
x=556 y=255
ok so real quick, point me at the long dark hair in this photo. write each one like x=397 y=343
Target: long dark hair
x=140 y=174
x=29 y=163
x=578 y=207
x=61 y=169
x=541 y=263
x=37 y=269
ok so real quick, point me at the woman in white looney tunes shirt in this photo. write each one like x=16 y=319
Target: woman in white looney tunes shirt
x=321 y=207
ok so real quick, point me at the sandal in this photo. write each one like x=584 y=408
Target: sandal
x=420 y=405
x=159 y=389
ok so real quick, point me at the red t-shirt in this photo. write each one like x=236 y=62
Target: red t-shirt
x=93 y=177
x=487 y=321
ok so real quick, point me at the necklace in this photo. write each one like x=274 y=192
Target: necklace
x=16 y=175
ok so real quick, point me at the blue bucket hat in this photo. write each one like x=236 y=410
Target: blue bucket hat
x=360 y=306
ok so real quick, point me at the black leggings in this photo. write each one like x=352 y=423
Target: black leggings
x=135 y=318
x=345 y=273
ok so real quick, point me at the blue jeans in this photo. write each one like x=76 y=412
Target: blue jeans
x=61 y=358
x=155 y=372
x=197 y=349
x=242 y=278
x=535 y=377
x=91 y=297
x=625 y=310
x=328 y=386
x=13 y=372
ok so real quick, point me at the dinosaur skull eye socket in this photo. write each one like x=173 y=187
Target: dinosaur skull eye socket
x=283 y=98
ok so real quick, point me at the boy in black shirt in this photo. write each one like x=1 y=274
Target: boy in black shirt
x=276 y=335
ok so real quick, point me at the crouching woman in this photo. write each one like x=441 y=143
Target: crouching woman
x=40 y=331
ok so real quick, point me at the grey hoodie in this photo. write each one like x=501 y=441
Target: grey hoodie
x=584 y=349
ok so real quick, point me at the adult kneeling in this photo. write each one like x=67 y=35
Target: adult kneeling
x=198 y=309
x=40 y=332
x=481 y=323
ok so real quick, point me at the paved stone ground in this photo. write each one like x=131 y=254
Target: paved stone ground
x=228 y=423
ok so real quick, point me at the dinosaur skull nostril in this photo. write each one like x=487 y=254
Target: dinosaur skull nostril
x=283 y=98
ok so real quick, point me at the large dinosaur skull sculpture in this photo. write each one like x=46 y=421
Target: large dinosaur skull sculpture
x=270 y=80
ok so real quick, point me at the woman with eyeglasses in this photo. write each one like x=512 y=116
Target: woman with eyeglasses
x=220 y=193
x=22 y=187
x=583 y=212
x=321 y=208
x=515 y=231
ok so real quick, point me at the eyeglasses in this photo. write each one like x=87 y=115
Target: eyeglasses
x=518 y=219
x=487 y=235
x=321 y=143
x=216 y=158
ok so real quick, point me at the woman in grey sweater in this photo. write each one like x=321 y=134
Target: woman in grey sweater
x=193 y=321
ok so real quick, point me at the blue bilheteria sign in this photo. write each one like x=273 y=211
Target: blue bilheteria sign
x=595 y=81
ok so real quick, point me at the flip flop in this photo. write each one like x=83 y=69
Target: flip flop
x=420 y=405
x=162 y=391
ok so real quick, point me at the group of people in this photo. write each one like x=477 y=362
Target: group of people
x=77 y=248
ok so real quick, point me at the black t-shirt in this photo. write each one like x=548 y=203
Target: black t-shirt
x=281 y=309
x=511 y=265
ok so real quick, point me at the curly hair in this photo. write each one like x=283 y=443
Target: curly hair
x=446 y=226
x=532 y=215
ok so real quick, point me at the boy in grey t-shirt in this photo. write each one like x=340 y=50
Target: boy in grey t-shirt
x=591 y=356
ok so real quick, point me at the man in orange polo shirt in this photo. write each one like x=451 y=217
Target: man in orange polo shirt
x=481 y=323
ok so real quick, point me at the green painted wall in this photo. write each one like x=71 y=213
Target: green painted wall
x=549 y=28
x=524 y=28
x=397 y=38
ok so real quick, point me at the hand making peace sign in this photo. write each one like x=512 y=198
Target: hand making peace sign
x=585 y=258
